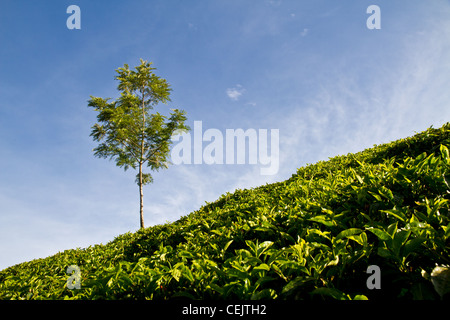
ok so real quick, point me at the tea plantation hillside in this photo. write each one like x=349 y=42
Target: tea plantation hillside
x=311 y=237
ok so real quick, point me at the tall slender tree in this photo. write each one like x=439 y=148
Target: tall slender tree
x=127 y=130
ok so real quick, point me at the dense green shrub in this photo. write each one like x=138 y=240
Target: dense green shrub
x=312 y=236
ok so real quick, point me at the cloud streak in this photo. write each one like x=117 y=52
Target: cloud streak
x=345 y=115
x=235 y=93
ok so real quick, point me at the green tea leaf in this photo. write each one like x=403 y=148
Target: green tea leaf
x=323 y=220
x=412 y=245
x=444 y=152
x=360 y=238
x=396 y=213
x=349 y=232
x=376 y=196
x=381 y=234
x=447 y=231
x=360 y=297
x=262 y=266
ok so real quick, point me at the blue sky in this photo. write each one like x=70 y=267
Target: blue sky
x=311 y=69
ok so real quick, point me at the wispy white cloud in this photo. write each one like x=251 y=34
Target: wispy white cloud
x=235 y=93
x=347 y=115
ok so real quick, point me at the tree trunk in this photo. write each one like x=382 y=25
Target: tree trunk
x=141 y=182
x=141 y=192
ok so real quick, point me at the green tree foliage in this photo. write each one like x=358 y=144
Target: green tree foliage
x=126 y=129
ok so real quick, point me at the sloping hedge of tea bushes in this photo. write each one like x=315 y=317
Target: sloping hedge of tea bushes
x=311 y=237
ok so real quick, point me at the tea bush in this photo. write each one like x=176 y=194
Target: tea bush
x=310 y=237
